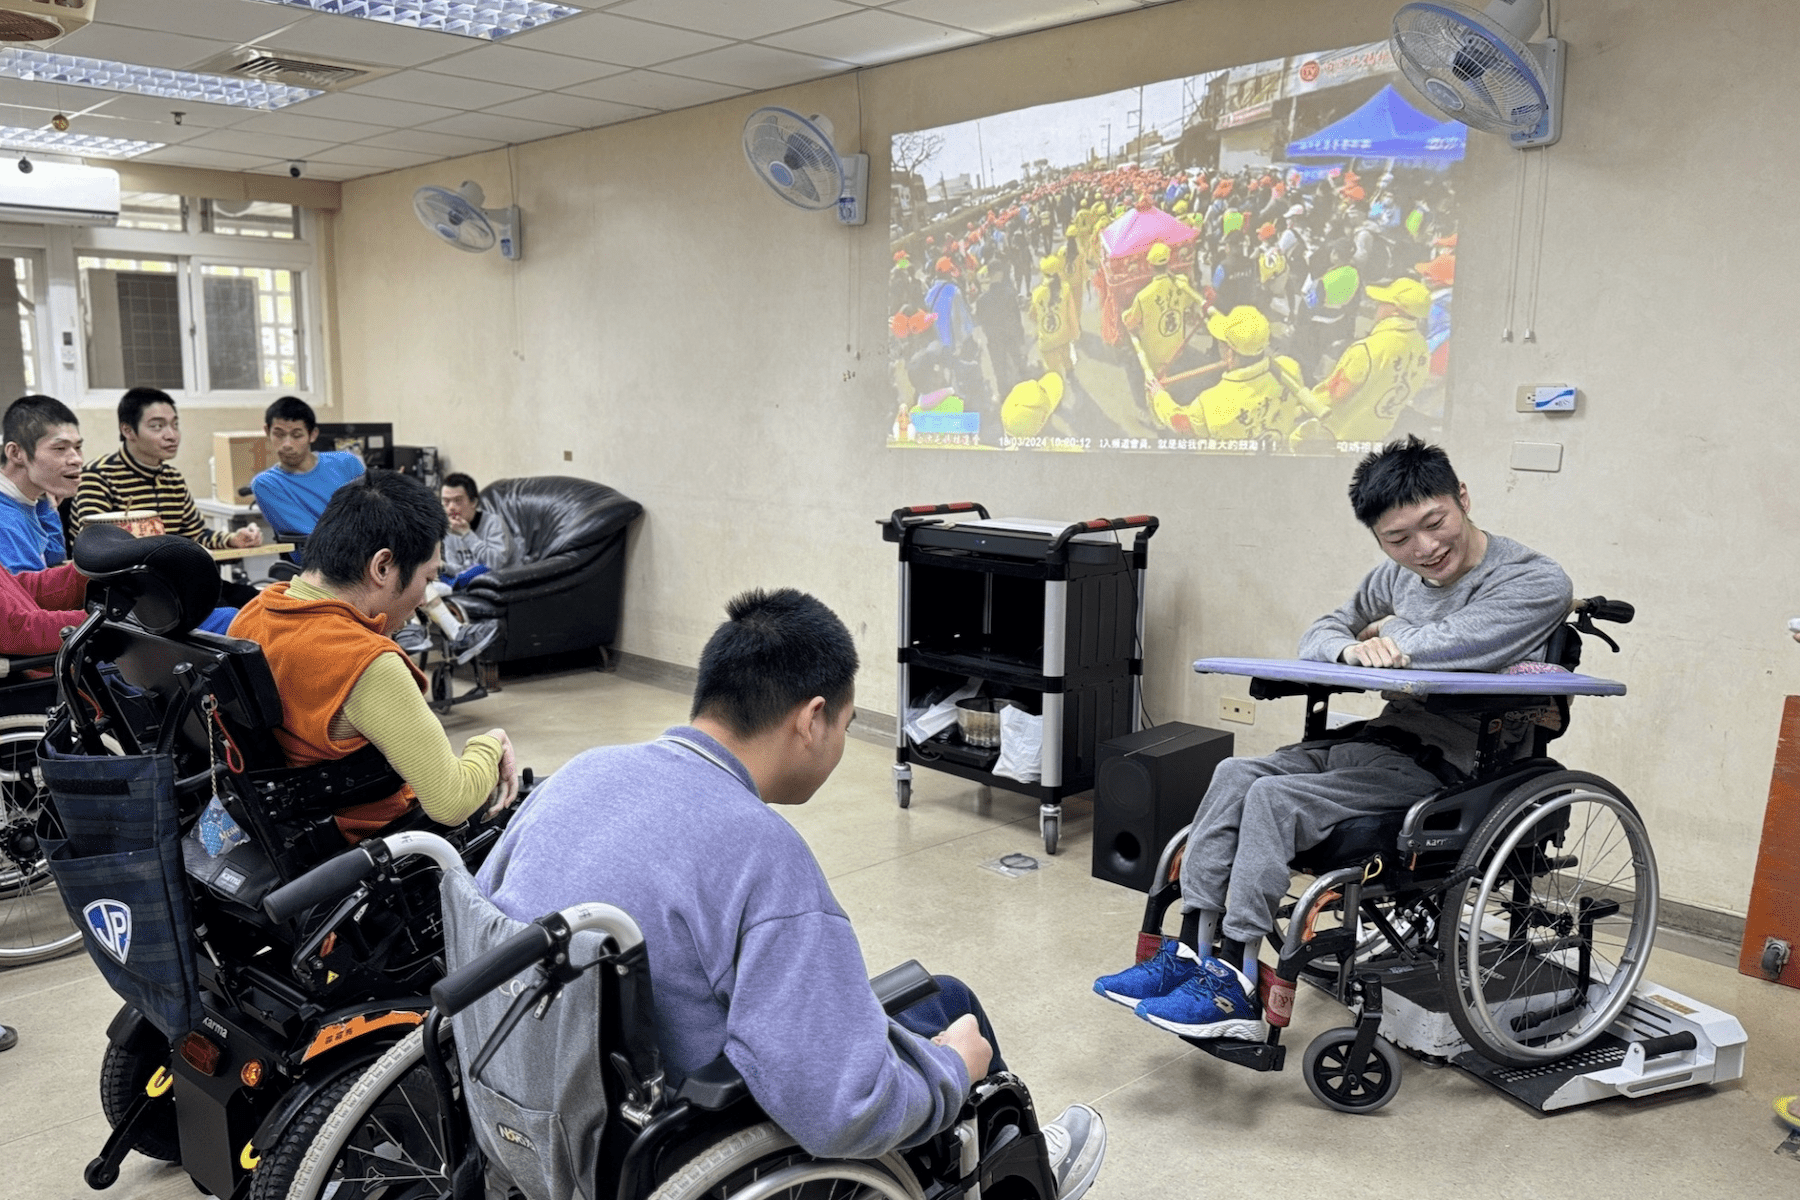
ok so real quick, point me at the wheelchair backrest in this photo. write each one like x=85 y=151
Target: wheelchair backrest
x=539 y=1105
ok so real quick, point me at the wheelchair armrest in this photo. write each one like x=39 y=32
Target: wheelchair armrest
x=903 y=986
x=714 y=1087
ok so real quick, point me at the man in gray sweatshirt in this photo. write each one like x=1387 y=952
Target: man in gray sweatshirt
x=751 y=954
x=1450 y=598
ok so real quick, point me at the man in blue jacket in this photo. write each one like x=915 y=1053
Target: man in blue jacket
x=753 y=956
x=41 y=467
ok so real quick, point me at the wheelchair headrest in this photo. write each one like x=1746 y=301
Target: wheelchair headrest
x=168 y=583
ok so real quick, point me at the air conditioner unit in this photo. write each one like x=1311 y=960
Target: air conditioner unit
x=57 y=193
x=42 y=20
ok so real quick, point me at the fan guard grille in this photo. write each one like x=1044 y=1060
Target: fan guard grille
x=794 y=157
x=1473 y=70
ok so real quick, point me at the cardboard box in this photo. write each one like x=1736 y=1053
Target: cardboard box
x=237 y=457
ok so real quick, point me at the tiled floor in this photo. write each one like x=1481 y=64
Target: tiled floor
x=1182 y=1124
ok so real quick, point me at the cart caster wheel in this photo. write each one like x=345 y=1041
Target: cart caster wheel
x=1051 y=827
x=99 y=1175
x=1335 y=1087
x=903 y=793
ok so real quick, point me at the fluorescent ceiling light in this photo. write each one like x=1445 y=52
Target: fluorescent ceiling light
x=41 y=66
x=88 y=145
x=490 y=20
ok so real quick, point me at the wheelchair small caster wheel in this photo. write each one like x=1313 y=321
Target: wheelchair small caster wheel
x=903 y=792
x=1329 y=1079
x=100 y=1174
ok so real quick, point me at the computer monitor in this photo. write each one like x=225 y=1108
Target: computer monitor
x=373 y=440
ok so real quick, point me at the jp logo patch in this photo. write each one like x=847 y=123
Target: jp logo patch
x=110 y=923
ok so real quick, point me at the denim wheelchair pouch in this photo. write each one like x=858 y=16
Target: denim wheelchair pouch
x=538 y=1109
x=119 y=869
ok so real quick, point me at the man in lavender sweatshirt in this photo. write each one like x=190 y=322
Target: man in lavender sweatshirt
x=751 y=954
x=1449 y=598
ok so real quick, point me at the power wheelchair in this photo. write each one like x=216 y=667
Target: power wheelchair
x=1520 y=899
x=537 y=1076
x=159 y=762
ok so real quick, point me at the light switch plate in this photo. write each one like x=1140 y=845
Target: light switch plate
x=1551 y=398
x=1537 y=456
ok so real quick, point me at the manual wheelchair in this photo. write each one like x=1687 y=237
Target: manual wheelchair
x=33 y=923
x=571 y=1102
x=1519 y=900
x=159 y=762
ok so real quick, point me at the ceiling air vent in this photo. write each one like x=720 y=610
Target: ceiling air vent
x=272 y=66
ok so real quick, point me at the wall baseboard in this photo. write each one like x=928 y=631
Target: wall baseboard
x=1699 y=932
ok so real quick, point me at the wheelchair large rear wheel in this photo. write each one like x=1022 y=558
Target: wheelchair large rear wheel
x=1549 y=920
x=765 y=1163
x=379 y=1135
x=34 y=925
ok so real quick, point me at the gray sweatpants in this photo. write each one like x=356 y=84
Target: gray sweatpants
x=1260 y=812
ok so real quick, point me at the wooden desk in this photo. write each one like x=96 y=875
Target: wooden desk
x=237 y=555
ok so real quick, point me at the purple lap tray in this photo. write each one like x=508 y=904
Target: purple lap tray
x=1413 y=683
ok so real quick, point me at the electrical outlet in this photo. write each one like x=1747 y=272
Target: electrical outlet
x=1241 y=711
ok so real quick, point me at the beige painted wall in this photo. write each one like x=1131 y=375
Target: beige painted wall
x=721 y=357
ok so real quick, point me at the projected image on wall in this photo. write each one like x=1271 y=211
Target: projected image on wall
x=1253 y=261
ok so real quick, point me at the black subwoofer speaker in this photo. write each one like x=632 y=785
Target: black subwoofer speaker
x=1147 y=787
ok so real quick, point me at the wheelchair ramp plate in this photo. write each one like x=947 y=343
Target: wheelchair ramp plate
x=1616 y=1063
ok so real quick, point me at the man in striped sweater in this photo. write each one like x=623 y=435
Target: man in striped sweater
x=141 y=474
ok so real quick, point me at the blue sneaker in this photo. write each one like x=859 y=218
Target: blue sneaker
x=1214 y=1003
x=1157 y=977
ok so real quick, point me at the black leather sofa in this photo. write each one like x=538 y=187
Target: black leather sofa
x=567 y=590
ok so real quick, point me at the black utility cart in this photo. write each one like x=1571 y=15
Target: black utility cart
x=1046 y=614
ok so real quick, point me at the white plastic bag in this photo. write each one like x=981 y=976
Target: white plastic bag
x=1021 y=745
x=923 y=724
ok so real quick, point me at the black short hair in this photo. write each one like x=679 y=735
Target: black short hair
x=775 y=651
x=29 y=420
x=1400 y=473
x=289 y=408
x=378 y=510
x=459 y=480
x=133 y=403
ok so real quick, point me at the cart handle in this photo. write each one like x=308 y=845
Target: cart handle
x=933 y=510
x=1148 y=524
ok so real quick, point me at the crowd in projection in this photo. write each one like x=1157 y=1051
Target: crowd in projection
x=1267 y=310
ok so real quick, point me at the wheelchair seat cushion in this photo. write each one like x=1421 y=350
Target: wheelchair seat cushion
x=1351 y=841
x=169 y=584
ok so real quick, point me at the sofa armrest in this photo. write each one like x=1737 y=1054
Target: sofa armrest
x=498 y=583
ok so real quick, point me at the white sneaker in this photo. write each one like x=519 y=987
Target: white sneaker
x=474 y=638
x=1076 y=1142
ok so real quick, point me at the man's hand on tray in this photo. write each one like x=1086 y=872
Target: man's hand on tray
x=1373 y=650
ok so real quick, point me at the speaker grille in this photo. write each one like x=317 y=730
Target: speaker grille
x=1127 y=786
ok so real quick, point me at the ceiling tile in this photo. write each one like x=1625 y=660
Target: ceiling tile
x=372 y=156
x=116 y=43
x=194 y=156
x=349 y=39
x=226 y=20
x=523 y=68
x=372 y=110
x=497 y=128
x=446 y=91
x=998 y=17
x=99 y=125
x=290 y=124
x=653 y=89
x=437 y=145
x=754 y=67
x=733 y=18
x=262 y=145
x=606 y=38
x=577 y=112
x=872 y=36
x=160 y=109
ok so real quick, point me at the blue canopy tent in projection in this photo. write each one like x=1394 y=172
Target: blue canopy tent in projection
x=1387 y=127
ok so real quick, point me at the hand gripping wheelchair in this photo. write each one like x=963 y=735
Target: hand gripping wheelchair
x=545 y=1082
x=1519 y=900
x=172 y=813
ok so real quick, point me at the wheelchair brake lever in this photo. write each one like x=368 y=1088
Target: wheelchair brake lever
x=1585 y=624
x=538 y=998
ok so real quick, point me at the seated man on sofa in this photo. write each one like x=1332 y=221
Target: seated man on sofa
x=344 y=683
x=477 y=537
x=754 y=958
x=1450 y=598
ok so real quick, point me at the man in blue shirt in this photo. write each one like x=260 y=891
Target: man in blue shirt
x=754 y=958
x=41 y=466
x=294 y=491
